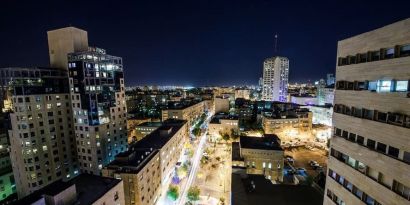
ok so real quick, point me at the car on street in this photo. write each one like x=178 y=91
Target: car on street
x=301 y=169
x=313 y=163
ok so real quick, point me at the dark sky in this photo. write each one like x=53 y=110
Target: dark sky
x=196 y=42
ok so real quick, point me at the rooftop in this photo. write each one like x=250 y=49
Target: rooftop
x=132 y=161
x=89 y=189
x=180 y=105
x=159 y=137
x=150 y=124
x=222 y=116
x=265 y=191
x=267 y=142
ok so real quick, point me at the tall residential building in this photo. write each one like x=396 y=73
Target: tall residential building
x=369 y=158
x=325 y=93
x=64 y=41
x=41 y=136
x=275 y=79
x=98 y=101
x=330 y=79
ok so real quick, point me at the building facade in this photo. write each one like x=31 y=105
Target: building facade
x=63 y=41
x=99 y=109
x=83 y=189
x=184 y=111
x=145 y=129
x=275 y=79
x=223 y=124
x=289 y=124
x=140 y=172
x=369 y=161
x=41 y=134
x=262 y=156
x=149 y=163
x=221 y=104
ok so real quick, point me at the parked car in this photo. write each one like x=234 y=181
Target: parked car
x=313 y=163
x=290 y=160
x=291 y=172
x=301 y=169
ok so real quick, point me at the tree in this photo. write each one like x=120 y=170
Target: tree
x=173 y=193
x=225 y=137
x=193 y=193
x=182 y=171
x=234 y=134
x=196 y=131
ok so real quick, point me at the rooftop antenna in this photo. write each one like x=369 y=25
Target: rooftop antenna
x=276 y=44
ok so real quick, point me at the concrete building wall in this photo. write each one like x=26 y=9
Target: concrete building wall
x=114 y=196
x=64 y=41
x=221 y=105
x=42 y=141
x=225 y=126
x=265 y=162
x=142 y=187
x=171 y=152
x=189 y=114
x=366 y=154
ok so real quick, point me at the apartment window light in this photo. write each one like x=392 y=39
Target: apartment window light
x=389 y=53
x=402 y=85
x=405 y=50
x=384 y=86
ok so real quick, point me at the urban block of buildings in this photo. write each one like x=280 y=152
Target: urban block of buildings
x=150 y=162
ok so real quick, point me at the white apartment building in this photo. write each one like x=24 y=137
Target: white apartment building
x=275 y=79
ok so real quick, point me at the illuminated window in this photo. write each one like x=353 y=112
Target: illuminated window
x=402 y=85
x=384 y=85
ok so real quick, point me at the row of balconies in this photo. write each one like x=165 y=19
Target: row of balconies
x=381 y=54
x=397 y=119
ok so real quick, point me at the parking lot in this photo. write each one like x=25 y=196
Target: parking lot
x=303 y=156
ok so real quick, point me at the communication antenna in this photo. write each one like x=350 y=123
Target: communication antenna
x=276 y=44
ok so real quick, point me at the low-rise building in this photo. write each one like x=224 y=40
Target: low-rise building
x=222 y=123
x=260 y=155
x=140 y=171
x=184 y=110
x=303 y=99
x=242 y=93
x=132 y=122
x=321 y=114
x=149 y=163
x=288 y=124
x=142 y=130
x=83 y=189
x=7 y=182
x=221 y=104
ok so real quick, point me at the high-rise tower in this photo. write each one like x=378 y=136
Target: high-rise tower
x=41 y=134
x=98 y=101
x=275 y=79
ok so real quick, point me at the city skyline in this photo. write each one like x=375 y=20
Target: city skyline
x=182 y=42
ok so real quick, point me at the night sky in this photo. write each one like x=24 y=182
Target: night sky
x=196 y=42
